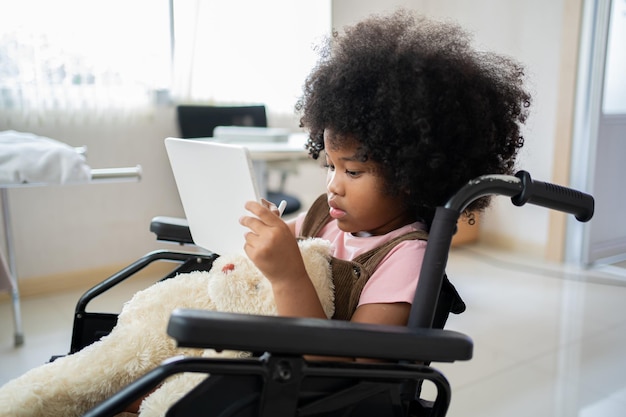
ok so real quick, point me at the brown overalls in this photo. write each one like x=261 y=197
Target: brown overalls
x=349 y=277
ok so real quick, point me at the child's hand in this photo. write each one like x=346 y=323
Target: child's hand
x=270 y=243
x=276 y=210
x=271 y=206
x=272 y=246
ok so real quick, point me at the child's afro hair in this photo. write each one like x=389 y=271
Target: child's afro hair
x=432 y=112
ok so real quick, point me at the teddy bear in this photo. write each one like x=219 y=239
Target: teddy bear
x=73 y=384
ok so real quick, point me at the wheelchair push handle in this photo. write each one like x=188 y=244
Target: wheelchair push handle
x=555 y=197
x=523 y=189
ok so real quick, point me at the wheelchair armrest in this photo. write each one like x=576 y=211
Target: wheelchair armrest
x=171 y=229
x=300 y=336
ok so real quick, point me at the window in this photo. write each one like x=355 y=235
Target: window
x=246 y=51
x=615 y=75
x=69 y=57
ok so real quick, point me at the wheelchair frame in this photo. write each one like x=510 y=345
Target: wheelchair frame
x=282 y=383
x=90 y=327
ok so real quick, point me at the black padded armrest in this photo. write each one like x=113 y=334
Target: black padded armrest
x=286 y=335
x=171 y=229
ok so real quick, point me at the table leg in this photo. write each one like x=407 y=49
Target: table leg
x=9 y=272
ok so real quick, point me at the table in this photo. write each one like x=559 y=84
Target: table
x=8 y=271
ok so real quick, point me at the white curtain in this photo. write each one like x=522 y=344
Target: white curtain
x=246 y=51
x=85 y=60
x=82 y=59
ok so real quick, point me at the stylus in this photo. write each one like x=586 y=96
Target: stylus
x=281 y=207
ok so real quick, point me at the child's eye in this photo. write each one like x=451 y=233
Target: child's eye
x=328 y=166
x=352 y=173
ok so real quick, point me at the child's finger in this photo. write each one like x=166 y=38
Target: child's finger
x=271 y=206
x=260 y=216
x=267 y=203
x=252 y=223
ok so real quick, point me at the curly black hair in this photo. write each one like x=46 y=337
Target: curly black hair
x=432 y=112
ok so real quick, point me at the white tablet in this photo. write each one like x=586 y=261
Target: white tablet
x=214 y=181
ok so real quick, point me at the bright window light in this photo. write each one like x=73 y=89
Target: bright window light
x=74 y=55
x=69 y=57
x=615 y=75
x=247 y=51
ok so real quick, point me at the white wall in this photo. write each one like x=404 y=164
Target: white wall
x=74 y=228
x=530 y=32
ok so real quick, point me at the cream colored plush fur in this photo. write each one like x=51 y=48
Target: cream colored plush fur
x=73 y=384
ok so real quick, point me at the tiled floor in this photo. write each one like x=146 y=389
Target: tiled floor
x=550 y=341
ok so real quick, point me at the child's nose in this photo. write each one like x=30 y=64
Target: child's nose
x=332 y=182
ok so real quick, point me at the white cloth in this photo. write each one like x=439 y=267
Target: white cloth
x=26 y=158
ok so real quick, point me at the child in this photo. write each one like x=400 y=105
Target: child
x=404 y=113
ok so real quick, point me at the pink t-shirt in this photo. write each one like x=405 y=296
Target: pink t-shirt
x=395 y=278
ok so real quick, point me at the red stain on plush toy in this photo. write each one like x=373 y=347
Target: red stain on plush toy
x=227 y=268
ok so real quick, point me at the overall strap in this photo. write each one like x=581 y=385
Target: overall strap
x=350 y=277
x=372 y=258
x=316 y=217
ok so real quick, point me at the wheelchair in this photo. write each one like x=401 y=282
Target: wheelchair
x=278 y=381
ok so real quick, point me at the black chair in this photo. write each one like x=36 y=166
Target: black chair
x=196 y=121
x=282 y=383
x=200 y=121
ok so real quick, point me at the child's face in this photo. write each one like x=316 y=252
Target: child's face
x=356 y=193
